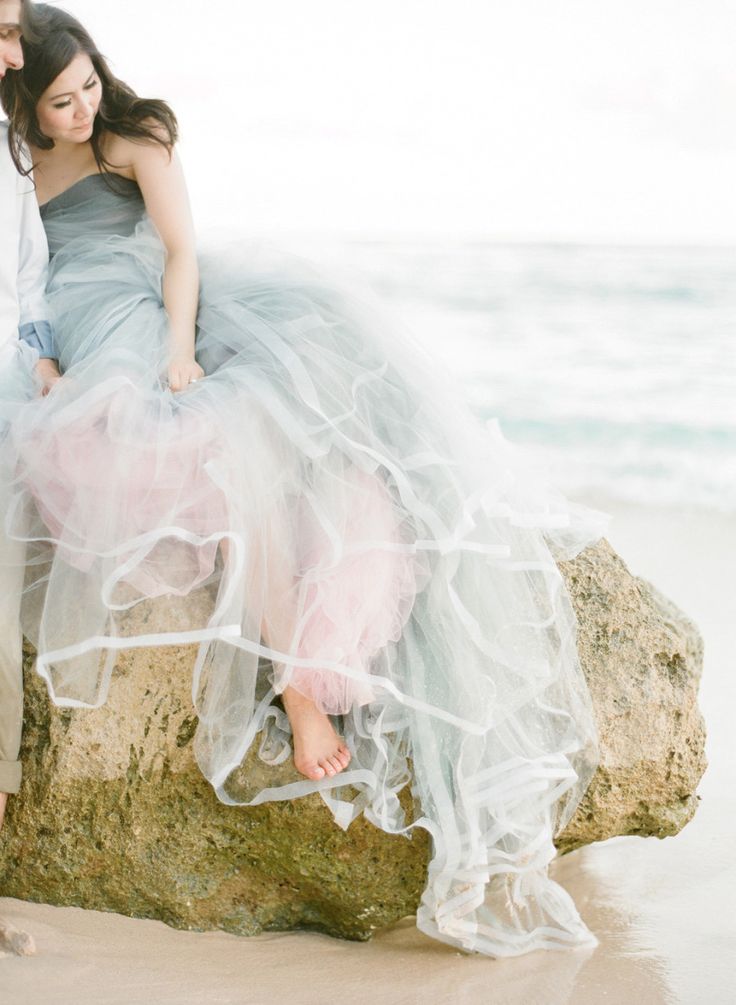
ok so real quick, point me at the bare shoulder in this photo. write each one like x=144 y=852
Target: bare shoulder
x=129 y=155
x=118 y=154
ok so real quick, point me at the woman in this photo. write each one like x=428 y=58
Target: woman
x=232 y=429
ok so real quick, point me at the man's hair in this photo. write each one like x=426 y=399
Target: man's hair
x=28 y=19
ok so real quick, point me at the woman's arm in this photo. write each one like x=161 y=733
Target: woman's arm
x=161 y=181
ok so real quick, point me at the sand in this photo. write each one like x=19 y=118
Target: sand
x=663 y=910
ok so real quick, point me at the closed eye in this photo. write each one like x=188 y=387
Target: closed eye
x=87 y=87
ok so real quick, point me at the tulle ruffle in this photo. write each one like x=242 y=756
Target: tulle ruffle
x=340 y=523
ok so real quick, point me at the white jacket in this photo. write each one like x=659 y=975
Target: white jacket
x=24 y=251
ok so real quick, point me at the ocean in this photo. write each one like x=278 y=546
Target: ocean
x=616 y=363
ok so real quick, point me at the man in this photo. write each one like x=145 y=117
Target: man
x=26 y=343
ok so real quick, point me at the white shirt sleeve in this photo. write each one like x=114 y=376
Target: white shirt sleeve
x=33 y=256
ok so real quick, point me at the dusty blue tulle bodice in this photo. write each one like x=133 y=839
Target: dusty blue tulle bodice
x=93 y=206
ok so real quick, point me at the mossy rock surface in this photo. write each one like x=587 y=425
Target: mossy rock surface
x=115 y=815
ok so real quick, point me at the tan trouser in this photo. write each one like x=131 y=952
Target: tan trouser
x=11 y=662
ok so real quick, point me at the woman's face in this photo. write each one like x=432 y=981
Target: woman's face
x=66 y=110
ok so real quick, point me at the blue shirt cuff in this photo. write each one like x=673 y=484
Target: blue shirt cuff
x=39 y=335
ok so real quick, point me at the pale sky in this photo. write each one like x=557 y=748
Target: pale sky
x=498 y=119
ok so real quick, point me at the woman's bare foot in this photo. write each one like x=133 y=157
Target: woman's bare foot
x=3 y=801
x=318 y=750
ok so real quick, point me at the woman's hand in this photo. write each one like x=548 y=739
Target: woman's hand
x=183 y=370
x=48 y=372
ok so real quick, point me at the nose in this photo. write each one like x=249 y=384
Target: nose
x=84 y=109
x=11 y=57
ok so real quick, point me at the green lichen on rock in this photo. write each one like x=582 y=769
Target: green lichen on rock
x=115 y=815
x=159 y=844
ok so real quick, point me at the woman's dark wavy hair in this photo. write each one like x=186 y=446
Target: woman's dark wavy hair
x=53 y=40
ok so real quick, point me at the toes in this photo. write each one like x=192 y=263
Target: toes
x=311 y=769
x=328 y=765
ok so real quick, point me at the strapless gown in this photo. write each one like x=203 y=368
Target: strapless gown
x=345 y=524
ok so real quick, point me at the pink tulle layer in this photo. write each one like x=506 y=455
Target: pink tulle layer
x=359 y=603
x=117 y=473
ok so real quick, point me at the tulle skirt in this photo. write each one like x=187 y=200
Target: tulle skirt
x=348 y=527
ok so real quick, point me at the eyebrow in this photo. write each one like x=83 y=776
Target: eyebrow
x=4 y=25
x=64 y=95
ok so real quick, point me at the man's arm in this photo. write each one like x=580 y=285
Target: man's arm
x=34 y=326
x=33 y=258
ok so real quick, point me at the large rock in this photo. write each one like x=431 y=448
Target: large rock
x=115 y=815
x=643 y=660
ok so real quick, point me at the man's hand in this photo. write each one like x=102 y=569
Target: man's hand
x=48 y=372
x=183 y=370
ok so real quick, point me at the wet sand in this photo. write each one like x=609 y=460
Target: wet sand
x=663 y=910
